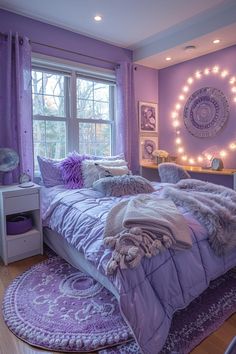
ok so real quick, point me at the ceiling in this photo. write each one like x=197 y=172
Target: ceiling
x=153 y=29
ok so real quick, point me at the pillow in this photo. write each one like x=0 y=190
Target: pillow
x=123 y=185
x=172 y=173
x=71 y=170
x=50 y=171
x=110 y=158
x=91 y=169
x=111 y=171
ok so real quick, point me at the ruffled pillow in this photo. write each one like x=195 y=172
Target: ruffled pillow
x=71 y=170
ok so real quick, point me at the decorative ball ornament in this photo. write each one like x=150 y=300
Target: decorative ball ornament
x=201 y=112
x=206 y=112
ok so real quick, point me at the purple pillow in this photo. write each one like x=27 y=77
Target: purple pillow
x=50 y=171
x=71 y=170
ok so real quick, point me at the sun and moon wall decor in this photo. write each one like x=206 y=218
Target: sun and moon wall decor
x=205 y=113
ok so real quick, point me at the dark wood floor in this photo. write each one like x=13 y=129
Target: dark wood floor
x=9 y=344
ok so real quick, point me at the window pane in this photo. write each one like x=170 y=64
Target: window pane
x=55 y=139
x=49 y=139
x=37 y=102
x=37 y=81
x=95 y=139
x=53 y=84
x=85 y=89
x=85 y=109
x=48 y=94
x=93 y=100
x=101 y=92
x=101 y=110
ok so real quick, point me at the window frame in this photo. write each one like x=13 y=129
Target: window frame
x=71 y=120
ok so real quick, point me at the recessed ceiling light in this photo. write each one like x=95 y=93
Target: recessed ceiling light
x=216 y=41
x=168 y=58
x=98 y=18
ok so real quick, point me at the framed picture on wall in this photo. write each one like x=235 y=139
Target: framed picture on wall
x=147 y=145
x=148 y=120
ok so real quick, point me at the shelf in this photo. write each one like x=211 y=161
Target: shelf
x=195 y=169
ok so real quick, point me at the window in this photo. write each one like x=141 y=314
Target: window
x=71 y=112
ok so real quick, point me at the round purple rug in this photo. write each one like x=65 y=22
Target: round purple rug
x=57 y=307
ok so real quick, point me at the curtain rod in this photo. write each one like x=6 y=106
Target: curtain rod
x=68 y=51
x=73 y=52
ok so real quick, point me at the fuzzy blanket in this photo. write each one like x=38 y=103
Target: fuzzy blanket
x=143 y=226
x=214 y=206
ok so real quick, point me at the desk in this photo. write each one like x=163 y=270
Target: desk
x=231 y=173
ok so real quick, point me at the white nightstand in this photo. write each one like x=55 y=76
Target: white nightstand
x=14 y=200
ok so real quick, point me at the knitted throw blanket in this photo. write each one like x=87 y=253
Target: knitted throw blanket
x=143 y=226
x=212 y=205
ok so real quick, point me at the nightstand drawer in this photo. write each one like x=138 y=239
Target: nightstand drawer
x=22 y=203
x=23 y=244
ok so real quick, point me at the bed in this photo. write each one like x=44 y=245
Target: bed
x=149 y=294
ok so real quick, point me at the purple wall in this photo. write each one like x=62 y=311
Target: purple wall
x=146 y=88
x=46 y=34
x=171 y=81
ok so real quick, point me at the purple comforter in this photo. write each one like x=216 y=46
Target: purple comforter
x=151 y=293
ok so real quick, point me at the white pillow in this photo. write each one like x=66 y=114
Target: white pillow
x=91 y=170
x=111 y=171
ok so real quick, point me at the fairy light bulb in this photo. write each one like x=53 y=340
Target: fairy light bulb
x=232 y=80
x=233 y=89
x=223 y=153
x=184 y=158
x=191 y=161
x=185 y=88
x=232 y=146
x=200 y=158
x=174 y=114
x=178 y=141
x=178 y=132
x=207 y=71
x=176 y=123
x=181 y=97
x=234 y=99
x=190 y=80
x=198 y=74
x=181 y=150
x=224 y=73
x=216 y=69
x=178 y=106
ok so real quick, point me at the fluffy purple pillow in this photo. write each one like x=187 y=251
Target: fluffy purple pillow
x=71 y=170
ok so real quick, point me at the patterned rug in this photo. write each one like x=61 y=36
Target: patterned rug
x=57 y=307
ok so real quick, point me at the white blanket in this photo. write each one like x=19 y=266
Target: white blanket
x=143 y=226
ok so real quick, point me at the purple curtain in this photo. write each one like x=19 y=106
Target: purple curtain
x=127 y=122
x=16 y=101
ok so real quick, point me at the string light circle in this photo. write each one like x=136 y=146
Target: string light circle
x=175 y=114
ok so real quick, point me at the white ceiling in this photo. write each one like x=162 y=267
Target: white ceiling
x=153 y=29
